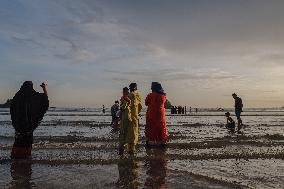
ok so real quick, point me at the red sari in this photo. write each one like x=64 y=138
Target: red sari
x=155 y=131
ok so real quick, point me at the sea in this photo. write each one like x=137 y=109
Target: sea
x=77 y=148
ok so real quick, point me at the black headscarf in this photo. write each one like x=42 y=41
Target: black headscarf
x=133 y=87
x=157 y=87
x=28 y=108
x=26 y=91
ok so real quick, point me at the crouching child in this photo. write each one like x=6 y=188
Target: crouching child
x=230 y=122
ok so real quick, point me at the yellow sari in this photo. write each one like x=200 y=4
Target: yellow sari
x=125 y=121
x=135 y=109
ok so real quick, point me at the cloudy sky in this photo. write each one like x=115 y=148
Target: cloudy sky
x=201 y=51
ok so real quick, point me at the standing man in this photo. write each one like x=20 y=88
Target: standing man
x=238 y=110
x=27 y=110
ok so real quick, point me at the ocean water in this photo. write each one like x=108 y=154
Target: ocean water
x=77 y=148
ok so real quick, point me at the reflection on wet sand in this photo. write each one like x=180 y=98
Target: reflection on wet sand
x=156 y=165
x=128 y=170
x=200 y=154
x=21 y=173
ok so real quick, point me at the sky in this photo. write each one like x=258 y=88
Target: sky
x=200 y=50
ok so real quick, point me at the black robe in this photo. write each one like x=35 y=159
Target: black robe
x=27 y=110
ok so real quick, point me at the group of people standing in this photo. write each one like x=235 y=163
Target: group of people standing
x=128 y=115
x=28 y=108
x=178 y=110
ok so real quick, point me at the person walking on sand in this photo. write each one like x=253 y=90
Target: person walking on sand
x=125 y=120
x=114 y=110
x=27 y=110
x=155 y=130
x=238 y=110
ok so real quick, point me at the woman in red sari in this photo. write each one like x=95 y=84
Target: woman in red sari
x=155 y=131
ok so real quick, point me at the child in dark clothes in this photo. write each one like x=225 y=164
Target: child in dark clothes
x=230 y=122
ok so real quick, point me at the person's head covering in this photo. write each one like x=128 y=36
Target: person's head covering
x=227 y=114
x=133 y=87
x=234 y=94
x=157 y=87
x=26 y=89
x=125 y=97
x=125 y=89
x=116 y=102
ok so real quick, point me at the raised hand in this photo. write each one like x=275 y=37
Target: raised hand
x=44 y=87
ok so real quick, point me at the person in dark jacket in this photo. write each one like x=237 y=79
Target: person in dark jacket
x=115 y=118
x=238 y=110
x=27 y=110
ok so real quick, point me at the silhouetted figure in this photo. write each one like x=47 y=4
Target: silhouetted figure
x=238 y=109
x=115 y=118
x=27 y=110
x=176 y=110
x=179 y=109
x=185 y=110
x=230 y=122
x=172 y=110
x=189 y=109
x=104 y=110
x=196 y=110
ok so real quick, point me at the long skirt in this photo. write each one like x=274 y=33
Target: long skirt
x=22 y=147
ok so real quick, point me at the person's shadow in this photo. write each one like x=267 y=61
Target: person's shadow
x=156 y=165
x=21 y=172
x=128 y=173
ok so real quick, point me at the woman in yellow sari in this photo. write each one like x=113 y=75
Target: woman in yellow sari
x=130 y=108
x=135 y=109
x=125 y=120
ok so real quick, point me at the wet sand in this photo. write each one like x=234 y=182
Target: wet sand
x=78 y=149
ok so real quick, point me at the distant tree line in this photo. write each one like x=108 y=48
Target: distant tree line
x=168 y=104
x=6 y=104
